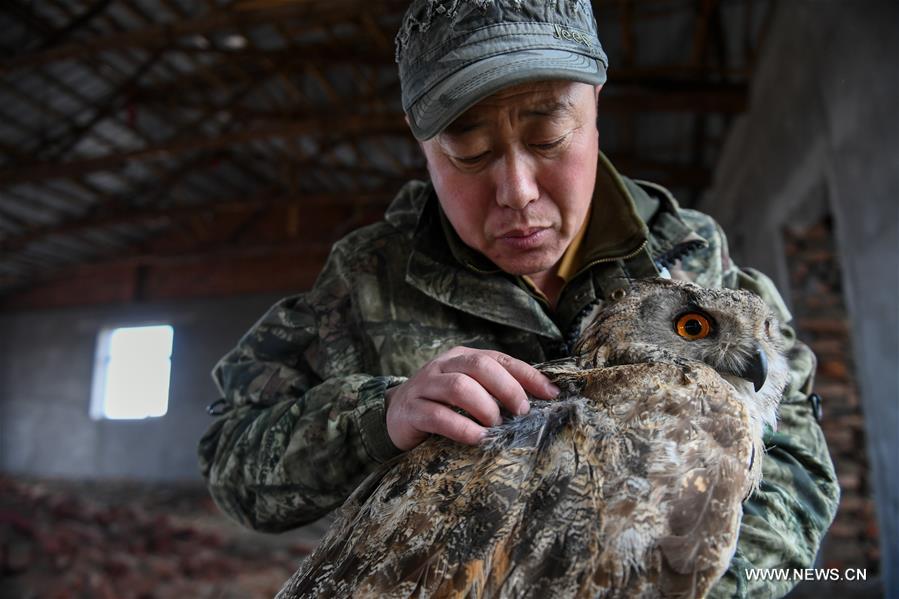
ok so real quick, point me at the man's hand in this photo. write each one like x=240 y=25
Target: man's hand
x=478 y=381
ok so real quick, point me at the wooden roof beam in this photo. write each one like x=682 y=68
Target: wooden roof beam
x=264 y=64
x=325 y=124
x=167 y=35
x=103 y=110
x=245 y=270
x=133 y=216
x=99 y=114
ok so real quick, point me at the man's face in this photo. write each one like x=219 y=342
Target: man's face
x=515 y=173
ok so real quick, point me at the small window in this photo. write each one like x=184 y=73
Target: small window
x=131 y=373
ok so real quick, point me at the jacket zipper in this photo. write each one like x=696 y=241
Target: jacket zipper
x=593 y=263
x=588 y=266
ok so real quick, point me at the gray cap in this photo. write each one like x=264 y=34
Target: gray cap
x=454 y=53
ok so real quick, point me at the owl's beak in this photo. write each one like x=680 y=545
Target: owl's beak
x=756 y=369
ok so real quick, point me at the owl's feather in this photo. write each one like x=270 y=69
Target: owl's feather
x=629 y=485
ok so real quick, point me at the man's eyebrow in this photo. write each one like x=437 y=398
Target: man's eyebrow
x=551 y=109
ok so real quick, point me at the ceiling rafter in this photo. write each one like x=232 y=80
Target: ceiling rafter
x=348 y=124
x=114 y=24
x=168 y=34
x=261 y=199
x=68 y=90
x=334 y=96
x=186 y=125
x=285 y=176
x=183 y=130
x=297 y=98
x=16 y=123
x=102 y=139
x=43 y=204
x=294 y=99
x=79 y=22
x=65 y=141
x=50 y=111
x=148 y=209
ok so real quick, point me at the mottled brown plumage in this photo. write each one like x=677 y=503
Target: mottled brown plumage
x=628 y=485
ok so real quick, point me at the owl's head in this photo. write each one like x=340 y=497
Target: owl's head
x=659 y=320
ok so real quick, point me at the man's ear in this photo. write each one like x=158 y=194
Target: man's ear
x=596 y=90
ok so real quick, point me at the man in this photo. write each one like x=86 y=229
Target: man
x=495 y=263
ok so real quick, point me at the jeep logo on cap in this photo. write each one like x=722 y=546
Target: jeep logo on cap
x=566 y=34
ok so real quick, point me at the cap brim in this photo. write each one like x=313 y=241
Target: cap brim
x=447 y=100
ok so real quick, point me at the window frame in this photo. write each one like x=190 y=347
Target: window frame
x=98 y=409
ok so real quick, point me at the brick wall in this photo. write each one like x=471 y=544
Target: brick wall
x=822 y=321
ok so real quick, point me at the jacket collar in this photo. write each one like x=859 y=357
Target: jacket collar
x=615 y=228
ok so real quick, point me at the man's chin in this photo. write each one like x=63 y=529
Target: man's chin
x=526 y=261
x=526 y=268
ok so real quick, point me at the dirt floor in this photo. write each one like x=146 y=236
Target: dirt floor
x=61 y=540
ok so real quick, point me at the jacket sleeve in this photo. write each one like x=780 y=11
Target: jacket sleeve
x=785 y=520
x=303 y=425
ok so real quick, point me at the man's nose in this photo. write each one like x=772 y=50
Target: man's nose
x=516 y=184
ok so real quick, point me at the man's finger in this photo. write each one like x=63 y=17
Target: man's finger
x=532 y=380
x=483 y=368
x=459 y=390
x=441 y=420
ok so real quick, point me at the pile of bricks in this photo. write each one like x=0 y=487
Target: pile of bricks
x=822 y=321
x=57 y=542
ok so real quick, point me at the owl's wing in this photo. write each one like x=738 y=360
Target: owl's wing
x=515 y=517
x=634 y=486
x=676 y=471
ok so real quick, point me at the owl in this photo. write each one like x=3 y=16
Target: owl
x=629 y=484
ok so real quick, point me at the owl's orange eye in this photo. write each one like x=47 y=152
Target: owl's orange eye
x=692 y=326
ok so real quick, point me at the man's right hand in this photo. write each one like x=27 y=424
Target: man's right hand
x=478 y=381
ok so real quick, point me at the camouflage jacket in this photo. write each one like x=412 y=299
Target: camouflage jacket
x=304 y=389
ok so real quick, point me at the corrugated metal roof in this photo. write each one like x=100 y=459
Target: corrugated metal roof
x=124 y=126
